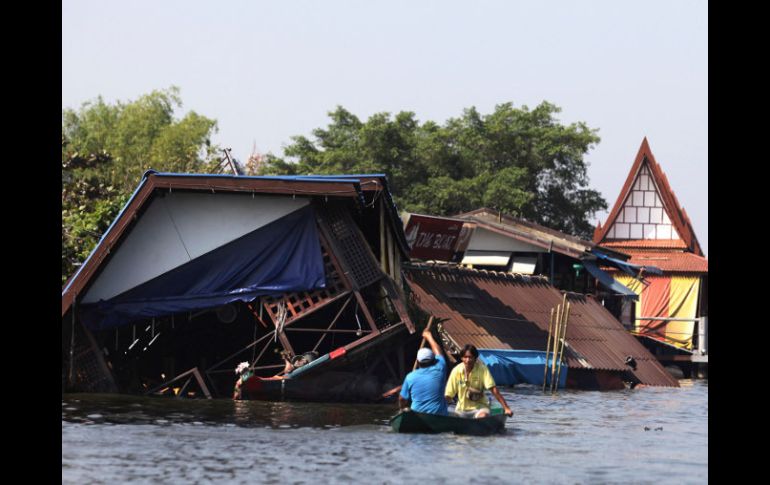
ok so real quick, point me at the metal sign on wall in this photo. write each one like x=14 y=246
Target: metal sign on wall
x=437 y=238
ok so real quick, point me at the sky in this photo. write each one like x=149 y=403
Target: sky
x=267 y=71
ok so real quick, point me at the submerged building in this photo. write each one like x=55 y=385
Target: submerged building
x=298 y=276
x=506 y=316
x=492 y=280
x=312 y=281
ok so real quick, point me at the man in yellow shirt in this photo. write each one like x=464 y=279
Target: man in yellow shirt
x=467 y=382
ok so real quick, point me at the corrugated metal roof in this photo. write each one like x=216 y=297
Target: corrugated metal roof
x=504 y=311
x=561 y=243
x=495 y=216
x=670 y=261
x=644 y=243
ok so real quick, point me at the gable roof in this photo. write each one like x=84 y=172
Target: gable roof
x=532 y=233
x=677 y=215
x=351 y=187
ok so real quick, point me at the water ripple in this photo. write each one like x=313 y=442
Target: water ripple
x=573 y=437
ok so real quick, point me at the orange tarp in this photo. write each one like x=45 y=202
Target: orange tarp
x=665 y=296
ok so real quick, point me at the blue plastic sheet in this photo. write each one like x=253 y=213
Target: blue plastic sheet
x=628 y=268
x=608 y=281
x=283 y=256
x=510 y=367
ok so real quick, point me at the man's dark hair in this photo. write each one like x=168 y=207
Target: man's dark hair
x=427 y=363
x=470 y=348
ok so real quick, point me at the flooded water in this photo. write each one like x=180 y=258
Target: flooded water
x=649 y=435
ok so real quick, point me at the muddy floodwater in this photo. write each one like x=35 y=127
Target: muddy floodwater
x=649 y=435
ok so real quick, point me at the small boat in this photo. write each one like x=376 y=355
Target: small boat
x=414 y=422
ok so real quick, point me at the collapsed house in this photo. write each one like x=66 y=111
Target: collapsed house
x=302 y=277
x=506 y=316
x=299 y=276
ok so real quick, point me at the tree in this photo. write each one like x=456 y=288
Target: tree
x=89 y=204
x=140 y=135
x=520 y=161
x=106 y=148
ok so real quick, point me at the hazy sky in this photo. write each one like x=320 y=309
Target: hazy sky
x=269 y=70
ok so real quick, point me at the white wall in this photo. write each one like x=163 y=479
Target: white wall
x=484 y=240
x=178 y=227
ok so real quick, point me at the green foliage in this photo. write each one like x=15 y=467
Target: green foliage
x=140 y=135
x=523 y=162
x=106 y=148
x=89 y=205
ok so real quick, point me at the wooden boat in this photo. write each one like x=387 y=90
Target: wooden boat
x=414 y=422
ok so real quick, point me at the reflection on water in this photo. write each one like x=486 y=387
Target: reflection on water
x=119 y=409
x=650 y=435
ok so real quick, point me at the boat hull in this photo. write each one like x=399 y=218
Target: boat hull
x=414 y=422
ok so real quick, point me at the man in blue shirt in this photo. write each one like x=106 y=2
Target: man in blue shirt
x=424 y=386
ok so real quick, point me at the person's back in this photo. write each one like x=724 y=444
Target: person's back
x=424 y=386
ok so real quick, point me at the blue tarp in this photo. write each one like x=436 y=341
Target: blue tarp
x=608 y=281
x=628 y=268
x=509 y=367
x=283 y=256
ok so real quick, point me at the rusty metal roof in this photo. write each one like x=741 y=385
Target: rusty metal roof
x=670 y=261
x=532 y=233
x=622 y=244
x=505 y=311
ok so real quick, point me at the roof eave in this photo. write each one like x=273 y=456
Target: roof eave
x=199 y=182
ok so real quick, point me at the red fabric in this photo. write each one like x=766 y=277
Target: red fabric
x=655 y=299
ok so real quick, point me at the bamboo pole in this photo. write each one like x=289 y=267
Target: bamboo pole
x=556 y=332
x=422 y=343
x=557 y=343
x=563 y=342
x=547 y=348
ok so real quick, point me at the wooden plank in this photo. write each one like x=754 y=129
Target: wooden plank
x=316 y=307
x=673 y=358
x=398 y=304
x=189 y=374
x=256 y=315
x=334 y=320
x=340 y=266
x=365 y=309
x=316 y=330
x=252 y=344
x=289 y=305
x=286 y=344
